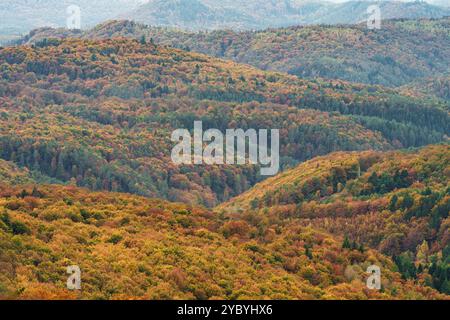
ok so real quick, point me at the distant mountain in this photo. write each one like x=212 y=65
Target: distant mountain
x=18 y=17
x=356 y=11
x=261 y=14
x=442 y=3
x=190 y=14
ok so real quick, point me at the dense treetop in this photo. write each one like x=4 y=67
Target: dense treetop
x=130 y=247
x=395 y=202
x=99 y=114
x=399 y=53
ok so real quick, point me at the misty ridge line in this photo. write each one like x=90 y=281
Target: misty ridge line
x=205 y=14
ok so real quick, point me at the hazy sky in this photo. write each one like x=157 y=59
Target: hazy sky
x=429 y=1
x=436 y=2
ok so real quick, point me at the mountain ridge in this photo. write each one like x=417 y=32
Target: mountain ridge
x=353 y=53
x=245 y=15
x=18 y=17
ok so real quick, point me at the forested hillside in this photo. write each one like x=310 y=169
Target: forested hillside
x=11 y=174
x=87 y=178
x=396 y=202
x=433 y=87
x=401 y=52
x=130 y=247
x=99 y=114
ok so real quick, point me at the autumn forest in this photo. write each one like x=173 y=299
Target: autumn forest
x=86 y=176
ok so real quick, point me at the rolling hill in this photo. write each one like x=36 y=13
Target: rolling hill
x=435 y=87
x=402 y=52
x=99 y=114
x=396 y=202
x=130 y=247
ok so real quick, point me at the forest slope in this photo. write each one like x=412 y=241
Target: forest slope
x=396 y=202
x=130 y=247
x=99 y=114
x=401 y=52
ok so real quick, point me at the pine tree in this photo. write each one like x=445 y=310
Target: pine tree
x=393 y=203
x=346 y=244
x=408 y=201
x=308 y=252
